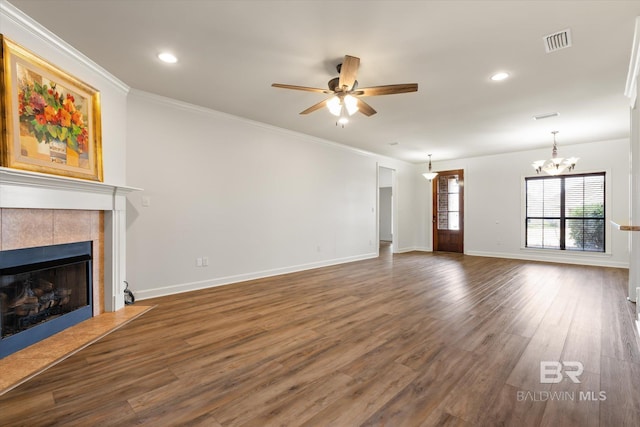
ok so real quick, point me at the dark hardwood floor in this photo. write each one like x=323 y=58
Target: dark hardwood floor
x=414 y=339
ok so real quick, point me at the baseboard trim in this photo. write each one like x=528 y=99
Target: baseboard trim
x=555 y=258
x=228 y=280
x=412 y=249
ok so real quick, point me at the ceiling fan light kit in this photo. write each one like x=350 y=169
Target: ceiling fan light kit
x=345 y=100
x=342 y=106
x=334 y=105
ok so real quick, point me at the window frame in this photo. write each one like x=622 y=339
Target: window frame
x=563 y=217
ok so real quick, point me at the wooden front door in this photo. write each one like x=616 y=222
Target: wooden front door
x=448 y=211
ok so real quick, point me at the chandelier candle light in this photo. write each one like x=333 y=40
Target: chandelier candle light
x=556 y=165
x=430 y=175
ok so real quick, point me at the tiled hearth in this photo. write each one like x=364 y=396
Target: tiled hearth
x=25 y=228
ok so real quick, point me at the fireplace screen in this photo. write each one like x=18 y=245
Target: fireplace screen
x=42 y=291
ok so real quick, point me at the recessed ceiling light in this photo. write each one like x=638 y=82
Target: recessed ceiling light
x=167 y=57
x=499 y=76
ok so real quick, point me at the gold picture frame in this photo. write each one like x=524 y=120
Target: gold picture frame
x=50 y=119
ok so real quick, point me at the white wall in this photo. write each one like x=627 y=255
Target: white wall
x=632 y=91
x=494 y=203
x=256 y=200
x=385 y=208
x=23 y=30
x=385 y=177
x=385 y=213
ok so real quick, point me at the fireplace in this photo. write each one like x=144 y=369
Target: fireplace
x=43 y=290
x=37 y=209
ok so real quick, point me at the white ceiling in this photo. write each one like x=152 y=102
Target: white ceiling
x=231 y=51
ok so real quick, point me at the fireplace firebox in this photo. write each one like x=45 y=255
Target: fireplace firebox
x=43 y=290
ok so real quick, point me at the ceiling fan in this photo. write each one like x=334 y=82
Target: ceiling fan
x=346 y=94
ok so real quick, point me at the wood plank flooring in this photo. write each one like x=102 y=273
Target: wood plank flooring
x=415 y=339
x=29 y=362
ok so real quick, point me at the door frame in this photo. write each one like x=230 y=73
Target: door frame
x=394 y=208
x=434 y=208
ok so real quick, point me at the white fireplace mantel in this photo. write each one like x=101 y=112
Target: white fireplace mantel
x=22 y=189
x=32 y=190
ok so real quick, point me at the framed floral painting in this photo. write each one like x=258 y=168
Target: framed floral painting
x=50 y=119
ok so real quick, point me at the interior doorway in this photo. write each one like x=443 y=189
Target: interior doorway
x=448 y=211
x=386 y=209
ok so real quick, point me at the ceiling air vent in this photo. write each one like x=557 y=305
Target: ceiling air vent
x=557 y=41
x=546 y=116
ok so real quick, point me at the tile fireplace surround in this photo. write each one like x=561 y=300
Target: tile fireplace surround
x=26 y=228
x=39 y=209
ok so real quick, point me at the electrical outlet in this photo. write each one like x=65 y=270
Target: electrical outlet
x=198 y=262
x=205 y=261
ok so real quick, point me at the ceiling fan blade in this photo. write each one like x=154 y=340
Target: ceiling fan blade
x=315 y=107
x=388 y=89
x=348 y=71
x=305 y=88
x=365 y=108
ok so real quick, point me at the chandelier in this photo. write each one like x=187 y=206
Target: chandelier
x=556 y=165
x=430 y=175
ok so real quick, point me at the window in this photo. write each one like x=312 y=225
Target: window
x=448 y=202
x=566 y=212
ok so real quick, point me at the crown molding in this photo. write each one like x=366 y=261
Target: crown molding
x=185 y=106
x=10 y=12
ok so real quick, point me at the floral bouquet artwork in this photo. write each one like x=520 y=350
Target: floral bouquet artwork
x=50 y=113
x=52 y=118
